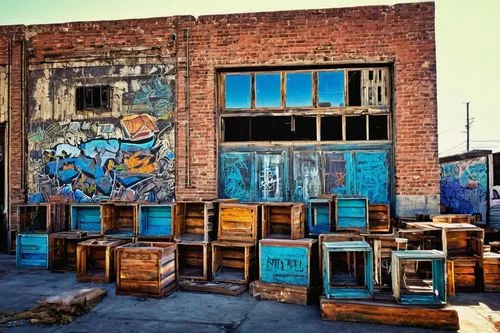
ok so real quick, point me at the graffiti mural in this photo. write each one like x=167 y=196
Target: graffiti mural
x=124 y=152
x=271 y=176
x=464 y=186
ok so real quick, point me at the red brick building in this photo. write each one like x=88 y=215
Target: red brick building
x=278 y=106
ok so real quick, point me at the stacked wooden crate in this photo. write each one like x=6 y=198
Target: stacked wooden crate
x=119 y=219
x=62 y=249
x=351 y=213
x=146 y=269
x=453 y=218
x=86 y=218
x=491 y=271
x=379 y=218
x=321 y=215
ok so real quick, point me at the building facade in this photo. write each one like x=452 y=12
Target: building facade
x=277 y=106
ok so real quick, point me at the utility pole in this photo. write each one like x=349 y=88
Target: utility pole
x=467 y=127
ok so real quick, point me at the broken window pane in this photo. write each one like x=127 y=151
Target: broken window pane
x=355 y=128
x=354 y=87
x=92 y=97
x=267 y=90
x=331 y=128
x=331 y=88
x=238 y=91
x=236 y=129
x=378 y=127
x=299 y=89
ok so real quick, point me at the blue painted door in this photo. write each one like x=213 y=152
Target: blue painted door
x=306 y=175
x=272 y=176
x=372 y=175
x=337 y=174
x=237 y=175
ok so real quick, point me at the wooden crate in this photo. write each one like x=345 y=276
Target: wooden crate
x=119 y=220
x=194 y=260
x=239 y=222
x=334 y=237
x=290 y=262
x=351 y=278
x=156 y=221
x=86 y=217
x=62 y=249
x=32 y=250
x=146 y=269
x=410 y=288
x=379 y=218
x=465 y=275
x=233 y=262
x=284 y=220
x=42 y=218
x=321 y=215
x=491 y=272
x=284 y=293
x=195 y=221
x=351 y=213
x=453 y=218
x=422 y=238
x=95 y=260
x=462 y=240
x=389 y=314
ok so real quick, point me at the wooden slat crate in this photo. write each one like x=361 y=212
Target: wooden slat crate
x=465 y=274
x=156 y=221
x=462 y=240
x=62 y=249
x=283 y=220
x=351 y=213
x=350 y=278
x=86 y=217
x=379 y=218
x=453 y=218
x=119 y=219
x=284 y=293
x=491 y=272
x=321 y=215
x=195 y=221
x=233 y=262
x=95 y=260
x=42 y=218
x=334 y=237
x=32 y=250
x=239 y=222
x=146 y=269
x=194 y=260
x=409 y=288
x=422 y=239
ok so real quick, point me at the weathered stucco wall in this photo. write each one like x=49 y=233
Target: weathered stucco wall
x=124 y=152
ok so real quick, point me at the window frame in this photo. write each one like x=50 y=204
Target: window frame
x=106 y=107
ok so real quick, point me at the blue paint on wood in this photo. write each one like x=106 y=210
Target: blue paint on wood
x=155 y=221
x=237 y=176
x=319 y=217
x=352 y=213
x=337 y=174
x=32 y=250
x=272 y=176
x=86 y=218
x=372 y=175
x=285 y=265
x=306 y=175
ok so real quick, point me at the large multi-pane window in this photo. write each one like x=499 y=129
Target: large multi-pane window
x=341 y=104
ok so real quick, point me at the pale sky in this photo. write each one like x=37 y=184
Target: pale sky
x=467 y=37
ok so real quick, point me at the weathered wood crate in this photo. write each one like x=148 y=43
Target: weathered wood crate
x=194 y=260
x=195 y=221
x=233 y=262
x=462 y=240
x=389 y=314
x=347 y=270
x=321 y=215
x=453 y=218
x=464 y=275
x=284 y=220
x=146 y=269
x=156 y=221
x=424 y=238
x=283 y=293
x=379 y=218
x=351 y=213
x=409 y=287
x=491 y=272
x=119 y=219
x=382 y=246
x=32 y=250
x=86 y=217
x=42 y=218
x=62 y=249
x=239 y=222
x=335 y=237
x=95 y=260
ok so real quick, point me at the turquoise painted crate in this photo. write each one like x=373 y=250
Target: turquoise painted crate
x=291 y=262
x=343 y=275
x=86 y=217
x=320 y=216
x=351 y=213
x=156 y=220
x=32 y=250
x=411 y=288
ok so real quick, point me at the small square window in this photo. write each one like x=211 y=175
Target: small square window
x=299 y=89
x=378 y=127
x=238 y=95
x=331 y=128
x=92 y=97
x=331 y=88
x=355 y=128
x=267 y=90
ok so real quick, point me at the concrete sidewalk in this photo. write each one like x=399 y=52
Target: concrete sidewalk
x=196 y=312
